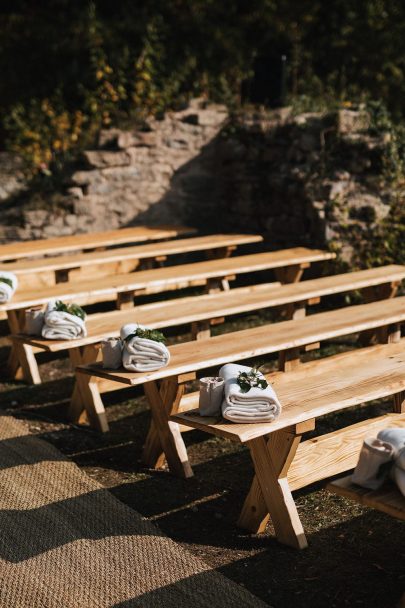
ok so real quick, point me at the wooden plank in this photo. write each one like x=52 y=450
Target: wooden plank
x=266 y=339
x=319 y=388
x=200 y=308
x=162 y=278
x=139 y=252
x=92 y=240
x=387 y=499
x=336 y=452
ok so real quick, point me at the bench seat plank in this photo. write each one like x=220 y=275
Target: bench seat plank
x=262 y=340
x=198 y=308
x=387 y=499
x=319 y=388
x=105 y=288
x=139 y=252
x=77 y=242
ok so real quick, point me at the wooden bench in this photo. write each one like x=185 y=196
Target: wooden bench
x=289 y=264
x=201 y=311
x=285 y=338
x=77 y=266
x=282 y=463
x=92 y=240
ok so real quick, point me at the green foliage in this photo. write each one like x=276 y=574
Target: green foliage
x=69 y=68
x=72 y=309
x=251 y=379
x=6 y=280
x=147 y=334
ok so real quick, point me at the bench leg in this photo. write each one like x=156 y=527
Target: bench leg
x=21 y=364
x=165 y=436
x=270 y=492
x=291 y=274
x=78 y=412
x=275 y=492
x=200 y=330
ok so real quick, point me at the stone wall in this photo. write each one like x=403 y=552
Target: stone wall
x=305 y=179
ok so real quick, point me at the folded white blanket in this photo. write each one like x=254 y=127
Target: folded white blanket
x=112 y=353
x=398 y=475
x=257 y=405
x=368 y=472
x=61 y=325
x=396 y=437
x=141 y=354
x=6 y=290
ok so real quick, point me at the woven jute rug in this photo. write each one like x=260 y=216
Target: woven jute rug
x=65 y=542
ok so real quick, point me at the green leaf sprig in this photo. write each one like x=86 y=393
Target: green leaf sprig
x=251 y=379
x=7 y=281
x=72 y=309
x=147 y=334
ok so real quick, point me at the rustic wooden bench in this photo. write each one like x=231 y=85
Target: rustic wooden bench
x=200 y=311
x=289 y=264
x=387 y=499
x=285 y=338
x=283 y=463
x=77 y=266
x=92 y=240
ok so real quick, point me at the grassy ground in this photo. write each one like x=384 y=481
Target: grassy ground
x=355 y=557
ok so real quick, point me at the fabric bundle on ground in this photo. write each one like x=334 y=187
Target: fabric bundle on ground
x=112 y=353
x=373 y=455
x=142 y=354
x=256 y=405
x=8 y=286
x=34 y=322
x=211 y=396
x=371 y=470
x=60 y=325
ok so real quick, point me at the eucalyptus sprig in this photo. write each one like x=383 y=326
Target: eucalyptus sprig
x=147 y=334
x=253 y=378
x=72 y=309
x=7 y=281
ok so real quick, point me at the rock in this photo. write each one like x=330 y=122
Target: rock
x=105 y=158
x=127 y=139
x=108 y=137
x=353 y=121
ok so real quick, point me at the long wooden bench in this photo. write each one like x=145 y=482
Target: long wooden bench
x=285 y=338
x=62 y=268
x=92 y=240
x=289 y=264
x=282 y=463
x=200 y=311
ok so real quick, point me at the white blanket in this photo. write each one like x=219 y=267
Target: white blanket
x=112 y=353
x=368 y=472
x=7 y=291
x=141 y=354
x=61 y=325
x=34 y=322
x=396 y=437
x=257 y=405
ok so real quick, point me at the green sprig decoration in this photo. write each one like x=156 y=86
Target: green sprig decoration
x=147 y=334
x=7 y=281
x=251 y=379
x=72 y=309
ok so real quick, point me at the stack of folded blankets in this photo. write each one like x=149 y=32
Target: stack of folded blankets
x=380 y=458
x=247 y=406
x=136 y=350
x=58 y=322
x=8 y=285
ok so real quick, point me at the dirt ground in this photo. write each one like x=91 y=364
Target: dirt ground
x=355 y=557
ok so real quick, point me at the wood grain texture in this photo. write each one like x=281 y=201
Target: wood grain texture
x=139 y=252
x=319 y=388
x=387 y=499
x=160 y=279
x=92 y=240
x=266 y=339
x=202 y=308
